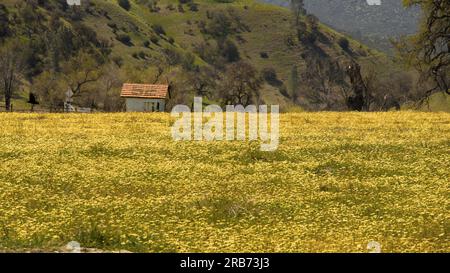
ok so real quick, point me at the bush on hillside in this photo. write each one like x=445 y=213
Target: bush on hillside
x=159 y=29
x=230 y=52
x=264 y=55
x=124 y=38
x=125 y=4
x=270 y=76
x=154 y=39
x=193 y=7
x=344 y=43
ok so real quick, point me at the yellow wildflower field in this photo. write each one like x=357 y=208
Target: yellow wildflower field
x=118 y=181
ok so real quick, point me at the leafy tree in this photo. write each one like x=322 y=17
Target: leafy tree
x=188 y=62
x=50 y=89
x=220 y=26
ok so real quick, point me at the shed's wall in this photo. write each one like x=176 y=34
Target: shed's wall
x=143 y=105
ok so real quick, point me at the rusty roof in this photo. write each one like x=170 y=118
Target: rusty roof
x=146 y=91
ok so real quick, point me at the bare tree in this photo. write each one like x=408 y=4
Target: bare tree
x=12 y=66
x=203 y=81
x=325 y=79
x=108 y=89
x=241 y=85
x=429 y=50
x=298 y=9
x=81 y=71
x=375 y=90
x=160 y=69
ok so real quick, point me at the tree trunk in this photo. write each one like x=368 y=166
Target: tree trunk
x=8 y=103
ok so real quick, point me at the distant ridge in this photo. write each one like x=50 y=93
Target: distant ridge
x=371 y=24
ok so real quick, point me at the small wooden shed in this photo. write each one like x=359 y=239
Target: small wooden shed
x=145 y=97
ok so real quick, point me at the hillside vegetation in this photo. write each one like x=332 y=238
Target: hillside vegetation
x=119 y=181
x=168 y=41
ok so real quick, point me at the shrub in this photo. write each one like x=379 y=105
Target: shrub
x=264 y=55
x=154 y=39
x=147 y=43
x=159 y=29
x=283 y=91
x=124 y=38
x=188 y=62
x=142 y=55
x=172 y=56
x=220 y=25
x=270 y=76
x=193 y=7
x=230 y=51
x=125 y=4
x=118 y=60
x=112 y=25
x=344 y=43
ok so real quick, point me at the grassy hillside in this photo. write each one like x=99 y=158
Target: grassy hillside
x=119 y=181
x=261 y=36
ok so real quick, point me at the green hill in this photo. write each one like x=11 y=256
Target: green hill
x=178 y=32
